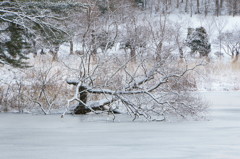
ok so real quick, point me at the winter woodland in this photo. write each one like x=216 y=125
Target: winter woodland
x=145 y=58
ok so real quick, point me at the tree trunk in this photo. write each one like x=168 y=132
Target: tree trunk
x=221 y=3
x=42 y=52
x=133 y=54
x=144 y=4
x=159 y=51
x=71 y=47
x=217 y=6
x=165 y=3
x=191 y=8
x=186 y=6
x=236 y=57
x=180 y=52
x=198 y=7
x=235 y=7
x=54 y=53
x=205 y=7
x=93 y=43
x=81 y=109
x=177 y=4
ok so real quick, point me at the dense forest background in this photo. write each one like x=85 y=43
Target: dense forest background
x=216 y=7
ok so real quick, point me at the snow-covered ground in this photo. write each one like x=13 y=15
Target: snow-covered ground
x=220 y=76
x=93 y=137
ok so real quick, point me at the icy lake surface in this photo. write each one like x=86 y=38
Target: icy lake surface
x=52 y=137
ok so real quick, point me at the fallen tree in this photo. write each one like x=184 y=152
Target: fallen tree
x=161 y=89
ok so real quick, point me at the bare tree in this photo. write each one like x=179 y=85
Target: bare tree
x=155 y=92
x=160 y=34
x=134 y=38
x=220 y=25
x=231 y=45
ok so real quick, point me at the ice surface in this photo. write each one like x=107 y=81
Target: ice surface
x=94 y=137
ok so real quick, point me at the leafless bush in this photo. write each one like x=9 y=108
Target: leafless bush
x=47 y=89
x=12 y=96
x=35 y=89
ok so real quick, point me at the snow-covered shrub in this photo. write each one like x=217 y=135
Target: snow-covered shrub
x=197 y=40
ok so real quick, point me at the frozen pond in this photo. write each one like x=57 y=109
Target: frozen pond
x=51 y=137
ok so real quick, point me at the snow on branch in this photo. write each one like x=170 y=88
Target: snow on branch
x=128 y=89
x=134 y=90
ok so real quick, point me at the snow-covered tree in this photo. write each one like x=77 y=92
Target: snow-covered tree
x=231 y=44
x=153 y=92
x=24 y=22
x=197 y=40
x=13 y=42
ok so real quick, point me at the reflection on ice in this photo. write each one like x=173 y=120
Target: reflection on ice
x=94 y=137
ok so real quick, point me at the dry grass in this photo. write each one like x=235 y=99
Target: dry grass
x=45 y=82
x=42 y=84
x=236 y=66
x=219 y=75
